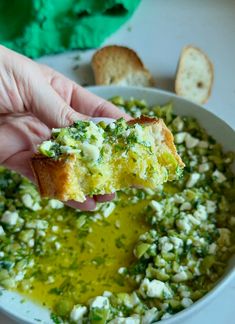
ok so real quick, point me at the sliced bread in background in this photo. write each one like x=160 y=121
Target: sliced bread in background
x=194 y=76
x=119 y=65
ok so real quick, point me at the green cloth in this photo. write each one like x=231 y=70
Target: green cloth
x=39 y=27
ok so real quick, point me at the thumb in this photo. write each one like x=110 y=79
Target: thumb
x=51 y=109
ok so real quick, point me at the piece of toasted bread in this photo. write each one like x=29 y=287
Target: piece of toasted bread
x=194 y=76
x=67 y=178
x=120 y=65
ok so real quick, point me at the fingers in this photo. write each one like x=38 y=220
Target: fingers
x=104 y=198
x=89 y=204
x=81 y=99
x=51 y=109
x=20 y=162
x=86 y=102
x=19 y=137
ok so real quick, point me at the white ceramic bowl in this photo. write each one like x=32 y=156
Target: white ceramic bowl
x=28 y=312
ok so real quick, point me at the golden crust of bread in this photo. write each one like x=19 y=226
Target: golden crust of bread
x=54 y=176
x=112 y=64
x=169 y=138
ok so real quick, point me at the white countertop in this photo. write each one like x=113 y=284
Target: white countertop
x=158 y=31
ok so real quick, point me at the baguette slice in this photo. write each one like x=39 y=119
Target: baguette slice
x=127 y=161
x=194 y=76
x=120 y=65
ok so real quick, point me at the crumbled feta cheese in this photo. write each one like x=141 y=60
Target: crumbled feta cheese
x=127 y=133
x=204 y=167
x=212 y=248
x=55 y=228
x=185 y=293
x=50 y=280
x=112 y=125
x=91 y=152
x=191 y=141
x=203 y=144
x=219 y=176
x=31 y=243
x=164 y=306
x=1 y=231
x=178 y=199
x=180 y=137
x=69 y=150
x=210 y=206
x=37 y=224
x=157 y=130
x=117 y=224
x=166 y=316
x=78 y=313
x=96 y=217
x=100 y=302
x=163 y=240
x=193 y=179
x=125 y=320
x=193 y=163
x=154 y=289
x=122 y=270
x=149 y=191
x=41 y=233
x=157 y=207
x=55 y=130
x=178 y=123
x=186 y=206
x=201 y=213
x=150 y=316
x=131 y=300
x=189 y=242
x=57 y=245
x=181 y=276
x=52 y=238
x=224 y=238
x=55 y=204
x=20 y=275
x=10 y=218
x=47 y=145
x=186 y=302
x=30 y=203
x=184 y=224
x=176 y=241
x=198 y=241
x=108 y=209
x=166 y=247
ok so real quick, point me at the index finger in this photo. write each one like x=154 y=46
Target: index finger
x=88 y=103
x=80 y=99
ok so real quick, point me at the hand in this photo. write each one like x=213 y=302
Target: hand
x=33 y=99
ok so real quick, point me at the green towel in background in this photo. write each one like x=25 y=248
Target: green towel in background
x=39 y=27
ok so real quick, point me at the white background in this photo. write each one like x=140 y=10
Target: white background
x=158 y=31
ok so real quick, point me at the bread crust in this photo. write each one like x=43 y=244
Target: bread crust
x=54 y=176
x=177 y=79
x=112 y=64
x=168 y=136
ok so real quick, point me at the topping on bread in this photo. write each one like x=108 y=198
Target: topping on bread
x=91 y=159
